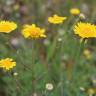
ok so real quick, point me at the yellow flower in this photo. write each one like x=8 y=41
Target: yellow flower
x=16 y=7
x=91 y=91
x=85 y=30
x=75 y=11
x=32 y=31
x=7 y=26
x=56 y=19
x=7 y=64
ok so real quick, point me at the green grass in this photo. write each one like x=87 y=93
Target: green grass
x=57 y=59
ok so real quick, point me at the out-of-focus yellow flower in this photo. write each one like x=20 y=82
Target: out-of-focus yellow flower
x=7 y=26
x=16 y=7
x=87 y=54
x=85 y=30
x=91 y=91
x=75 y=11
x=7 y=64
x=94 y=81
x=56 y=19
x=32 y=31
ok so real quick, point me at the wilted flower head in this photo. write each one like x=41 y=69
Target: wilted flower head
x=32 y=31
x=85 y=30
x=56 y=19
x=82 y=16
x=7 y=26
x=49 y=86
x=7 y=64
x=75 y=11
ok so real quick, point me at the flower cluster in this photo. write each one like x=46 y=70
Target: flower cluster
x=84 y=30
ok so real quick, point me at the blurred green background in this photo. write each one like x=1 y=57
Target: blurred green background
x=57 y=59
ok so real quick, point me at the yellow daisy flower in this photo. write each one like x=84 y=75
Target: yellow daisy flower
x=7 y=26
x=32 y=31
x=7 y=64
x=56 y=19
x=85 y=30
x=75 y=11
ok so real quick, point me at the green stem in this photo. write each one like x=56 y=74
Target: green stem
x=78 y=54
x=33 y=61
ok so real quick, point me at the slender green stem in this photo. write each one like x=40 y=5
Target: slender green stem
x=78 y=54
x=33 y=61
x=79 y=51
